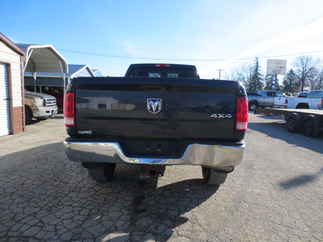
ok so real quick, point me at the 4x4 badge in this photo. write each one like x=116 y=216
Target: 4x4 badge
x=221 y=115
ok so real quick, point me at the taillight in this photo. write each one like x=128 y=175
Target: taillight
x=162 y=65
x=69 y=109
x=242 y=114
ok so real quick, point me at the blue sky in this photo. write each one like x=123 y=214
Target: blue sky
x=168 y=29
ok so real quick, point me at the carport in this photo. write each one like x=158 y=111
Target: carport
x=43 y=58
x=52 y=83
x=46 y=79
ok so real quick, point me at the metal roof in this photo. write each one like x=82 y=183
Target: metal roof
x=73 y=70
x=55 y=79
x=43 y=58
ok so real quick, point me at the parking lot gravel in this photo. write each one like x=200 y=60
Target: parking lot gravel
x=276 y=194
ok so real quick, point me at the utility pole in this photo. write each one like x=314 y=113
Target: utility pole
x=220 y=71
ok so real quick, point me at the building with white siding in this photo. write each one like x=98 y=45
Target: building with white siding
x=11 y=87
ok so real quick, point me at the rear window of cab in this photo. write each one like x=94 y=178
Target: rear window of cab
x=170 y=73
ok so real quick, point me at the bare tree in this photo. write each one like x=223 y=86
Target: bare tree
x=313 y=78
x=250 y=76
x=318 y=81
x=242 y=75
x=305 y=70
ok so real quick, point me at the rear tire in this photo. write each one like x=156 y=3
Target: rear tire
x=308 y=127
x=253 y=106
x=302 y=106
x=42 y=118
x=101 y=173
x=28 y=115
x=293 y=123
x=316 y=127
x=213 y=177
x=312 y=126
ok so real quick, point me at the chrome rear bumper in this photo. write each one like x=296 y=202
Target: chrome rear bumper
x=216 y=156
x=45 y=111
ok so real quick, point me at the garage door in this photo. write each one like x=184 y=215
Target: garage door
x=4 y=101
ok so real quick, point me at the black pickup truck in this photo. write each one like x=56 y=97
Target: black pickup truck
x=155 y=116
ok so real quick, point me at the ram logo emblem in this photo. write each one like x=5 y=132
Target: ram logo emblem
x=154 y=105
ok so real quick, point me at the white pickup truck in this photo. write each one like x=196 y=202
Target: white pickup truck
x=39 y=105
x=310 y=100
x=267 y=98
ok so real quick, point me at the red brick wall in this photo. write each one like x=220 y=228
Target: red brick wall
x=17 y=120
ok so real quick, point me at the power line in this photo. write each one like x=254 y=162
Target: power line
x=188 y=59
x=138 y=57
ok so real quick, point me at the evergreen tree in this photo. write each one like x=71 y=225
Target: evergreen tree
x=256 y=78
x=291 y=82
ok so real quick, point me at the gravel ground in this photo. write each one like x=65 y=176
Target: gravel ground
x=276 y=194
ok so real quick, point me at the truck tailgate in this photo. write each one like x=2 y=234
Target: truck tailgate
x=186 y=109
